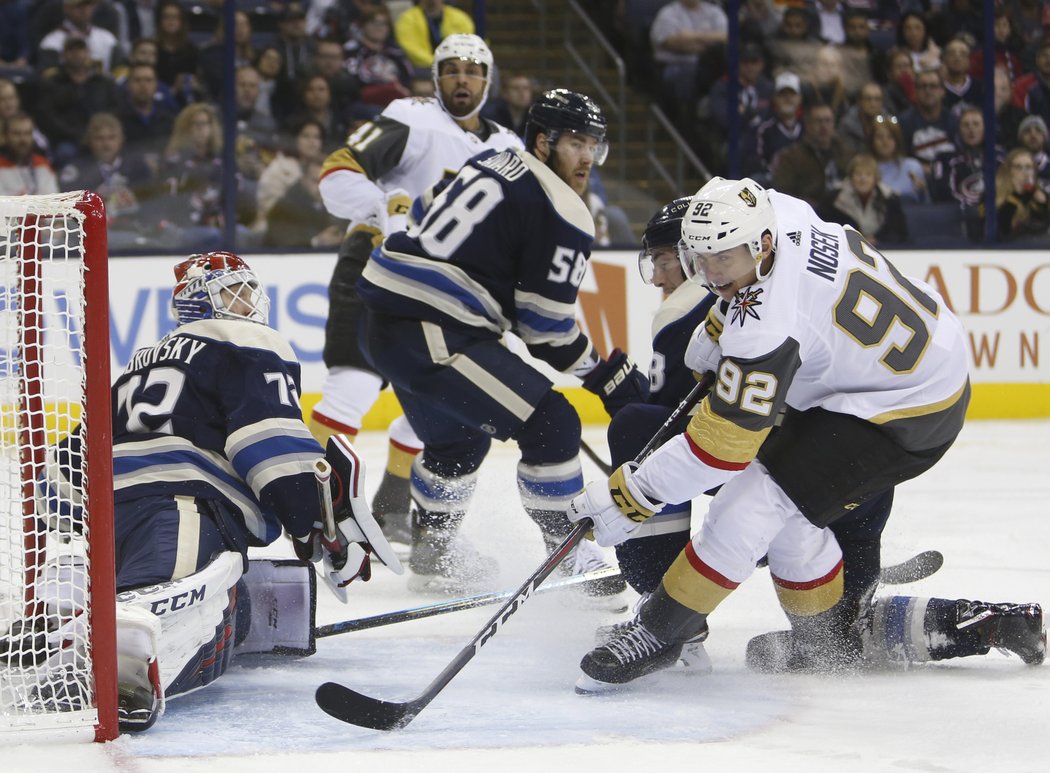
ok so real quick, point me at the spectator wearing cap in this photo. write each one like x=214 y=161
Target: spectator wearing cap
x=1032 y=135
x=102 y=44
x=420 y=28
x=780 y=130
x=295 y=44
x=814 y=167
x=69 y=96
x=681 y=32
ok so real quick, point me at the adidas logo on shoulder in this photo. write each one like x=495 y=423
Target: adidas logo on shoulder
x=795 y=237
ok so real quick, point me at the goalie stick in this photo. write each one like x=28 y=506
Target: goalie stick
x=455 y=605
x=351 y=706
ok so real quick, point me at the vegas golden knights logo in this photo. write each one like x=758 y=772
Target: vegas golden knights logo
x=748 y=197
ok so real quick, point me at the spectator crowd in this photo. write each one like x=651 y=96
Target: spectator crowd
x=872 y=110
x=124 y=97
x=865 y=108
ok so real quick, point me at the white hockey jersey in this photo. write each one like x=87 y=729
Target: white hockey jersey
x=834 y=325
x=410 y=146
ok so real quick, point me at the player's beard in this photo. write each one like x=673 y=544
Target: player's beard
x=459 y=108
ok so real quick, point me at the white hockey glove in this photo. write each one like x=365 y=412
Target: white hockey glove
x=703 y=351
x=398 y=203
x=347 y=535
x=616 y=507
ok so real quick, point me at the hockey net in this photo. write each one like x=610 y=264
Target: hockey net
x=57 y=598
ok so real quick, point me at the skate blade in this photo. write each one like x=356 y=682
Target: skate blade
x=586 y=685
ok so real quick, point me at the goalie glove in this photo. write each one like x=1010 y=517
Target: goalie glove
x=347 y=536
x=616 y=507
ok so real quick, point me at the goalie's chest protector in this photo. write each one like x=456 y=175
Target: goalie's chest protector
x=435 y=146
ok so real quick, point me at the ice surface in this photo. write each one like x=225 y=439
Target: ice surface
x=986 y=506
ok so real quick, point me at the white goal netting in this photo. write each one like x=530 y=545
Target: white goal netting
x=47 y=680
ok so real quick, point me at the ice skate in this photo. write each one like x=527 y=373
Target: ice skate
x=633 y=653
x=694 y=659
x=391 y=506
x=444 y=562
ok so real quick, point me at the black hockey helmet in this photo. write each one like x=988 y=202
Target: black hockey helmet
x=561 y=110
x=664 y=229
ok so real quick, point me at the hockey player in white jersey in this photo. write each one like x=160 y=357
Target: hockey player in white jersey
x=372 y=181
x=870 y=369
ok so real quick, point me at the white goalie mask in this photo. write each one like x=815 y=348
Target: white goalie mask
x=469 y=48
x=722 y=216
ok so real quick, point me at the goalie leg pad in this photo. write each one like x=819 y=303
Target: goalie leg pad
x=281 y=612
x=140 y=695
x=197 y=617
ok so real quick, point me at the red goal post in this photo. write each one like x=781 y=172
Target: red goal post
x=57 y=594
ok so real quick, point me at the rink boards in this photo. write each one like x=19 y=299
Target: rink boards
x=1002 y=297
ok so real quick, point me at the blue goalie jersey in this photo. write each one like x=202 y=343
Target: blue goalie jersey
x=503 y=247
x=212 y=411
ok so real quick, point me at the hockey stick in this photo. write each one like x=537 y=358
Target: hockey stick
x=351 y=706
x=455 y=605
x=916 y=568
x=591 y=454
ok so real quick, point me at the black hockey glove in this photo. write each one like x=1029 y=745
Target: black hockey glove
x=618 y=382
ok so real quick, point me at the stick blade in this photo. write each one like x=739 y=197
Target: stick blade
x=916 y=568
x=350 y=706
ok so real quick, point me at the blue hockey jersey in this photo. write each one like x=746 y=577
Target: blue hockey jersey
x=212 y=411
x=670 y=379
x=503 y=247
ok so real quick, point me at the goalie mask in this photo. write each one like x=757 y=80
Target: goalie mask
x=722 y=231
x=660 y=240
x=561 y=110
x=468 y=49
x=218 y=285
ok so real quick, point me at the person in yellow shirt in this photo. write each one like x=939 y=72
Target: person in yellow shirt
x=419 y=29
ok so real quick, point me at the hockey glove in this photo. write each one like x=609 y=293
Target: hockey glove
x=616 y=507
x=702 y=353
x=618 y=382
x=398 y=204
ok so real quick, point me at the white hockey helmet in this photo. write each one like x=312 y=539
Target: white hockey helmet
x=469 y=48
x=218 y=285
x=722 y=215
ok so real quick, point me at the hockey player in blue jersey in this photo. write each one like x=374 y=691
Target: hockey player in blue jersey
x=502 y=248
x=210 y=458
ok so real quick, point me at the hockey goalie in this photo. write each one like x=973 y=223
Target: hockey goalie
x=211 y=458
